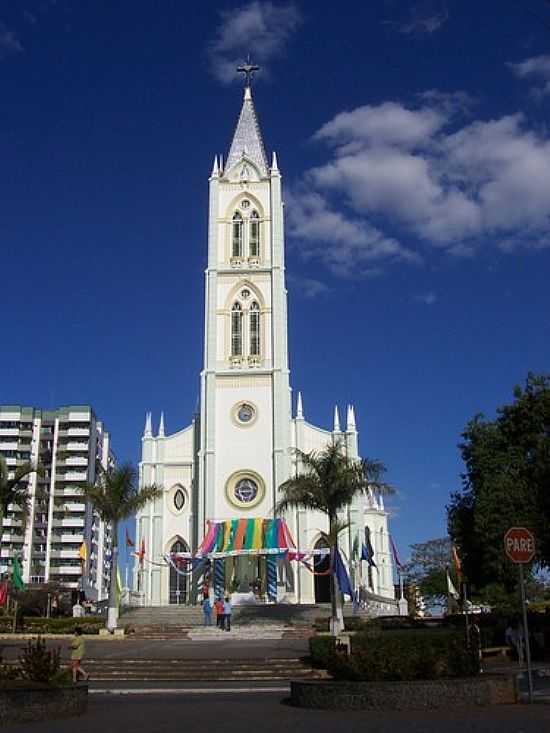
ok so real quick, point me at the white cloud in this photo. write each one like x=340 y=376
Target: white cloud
x=425 y=18
x=348 y=246
x=426 y=298
x=9 y=42
x=261 y=28
x=421 y=173
x=308 y=287
x=536 y=68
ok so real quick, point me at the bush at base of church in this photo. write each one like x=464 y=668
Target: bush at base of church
x=424 y=654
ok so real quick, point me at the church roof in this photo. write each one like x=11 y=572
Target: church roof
x=247 y=138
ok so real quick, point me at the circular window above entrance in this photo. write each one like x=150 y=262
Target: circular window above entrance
x=244 y=414
x=245 y=489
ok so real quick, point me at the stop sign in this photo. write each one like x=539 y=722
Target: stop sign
x=519 y=544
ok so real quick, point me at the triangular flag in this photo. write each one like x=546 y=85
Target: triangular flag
x=342 y=576
x=452 y=591
x=16 y=574
x=397 y=561
x=83 y=552
x=457 y=564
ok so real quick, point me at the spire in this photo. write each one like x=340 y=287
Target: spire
x=247 y=139
x=299 y=408
x=274 y=166
x=148 y=431
x=215 y=169
x=336 y=420
x=350 y=422
x=161 y=426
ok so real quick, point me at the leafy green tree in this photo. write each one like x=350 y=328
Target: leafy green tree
x=427 y=570
x=328 y=482
x=506 y=483
x=14 y=490
x=116 y=496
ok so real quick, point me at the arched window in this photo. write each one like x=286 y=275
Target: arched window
x=254 y=238
x=237 y=239
x=178 y=579
x=254 y=329
x=236 y=330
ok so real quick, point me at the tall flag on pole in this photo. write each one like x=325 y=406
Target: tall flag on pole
x=395 y=554
x=16 y=574
x=457 y=563
x=452 y=591
x=141 y=553
x=342 y=575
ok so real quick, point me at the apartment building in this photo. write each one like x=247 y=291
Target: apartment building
x=70 y=443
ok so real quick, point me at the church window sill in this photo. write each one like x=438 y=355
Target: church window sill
x=236 y=262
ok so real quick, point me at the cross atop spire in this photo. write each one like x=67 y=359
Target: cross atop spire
x=247 y=69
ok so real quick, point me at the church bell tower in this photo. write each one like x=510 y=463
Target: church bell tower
x=245 y=409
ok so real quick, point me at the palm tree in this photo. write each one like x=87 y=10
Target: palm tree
x=329 y=482
x=116 y=496
x=12 y=490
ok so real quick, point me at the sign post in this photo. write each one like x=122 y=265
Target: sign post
x=519 y=545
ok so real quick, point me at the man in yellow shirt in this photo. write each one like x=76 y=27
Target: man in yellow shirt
x=78 y=648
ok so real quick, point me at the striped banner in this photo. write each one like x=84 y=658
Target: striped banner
x=219 y=578
x=271 y=563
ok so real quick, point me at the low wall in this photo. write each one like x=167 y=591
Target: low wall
x=417 y=695
x=19 y=704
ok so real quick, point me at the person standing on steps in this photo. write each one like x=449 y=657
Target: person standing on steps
x=207 y=611
x=227 y=614
x=218 y=605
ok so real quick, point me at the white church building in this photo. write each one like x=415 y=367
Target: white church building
x=239 y=448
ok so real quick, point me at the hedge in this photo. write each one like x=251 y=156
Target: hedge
x=61 y=625
x=400 y=655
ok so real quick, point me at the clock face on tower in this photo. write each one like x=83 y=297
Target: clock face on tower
x=244 y=414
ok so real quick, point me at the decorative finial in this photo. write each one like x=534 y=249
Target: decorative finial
x=299 y=408
x=161 y=426
x=336 y=420
x=274 y=166
x=215 y=169
x=148 y=431
x=350 y=427
x=247 y=69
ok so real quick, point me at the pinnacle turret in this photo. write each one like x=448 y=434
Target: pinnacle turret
x=336 y=428
x=299 y=408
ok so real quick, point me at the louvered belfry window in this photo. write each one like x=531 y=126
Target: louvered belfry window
x=237 y=240
x=254 y=317
x=254 y=237
x=236 y=330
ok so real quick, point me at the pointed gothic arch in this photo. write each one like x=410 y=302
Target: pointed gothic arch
x=177 y=583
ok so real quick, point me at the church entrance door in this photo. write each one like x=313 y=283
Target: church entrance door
x=321 y=563
x=178 y=582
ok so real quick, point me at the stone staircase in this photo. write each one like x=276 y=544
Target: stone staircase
x=190 y=670
x=248 y=622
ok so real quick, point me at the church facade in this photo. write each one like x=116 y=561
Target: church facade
x=229 y=462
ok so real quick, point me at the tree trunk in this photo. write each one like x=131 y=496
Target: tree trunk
x=112 y=614
x=336 y=625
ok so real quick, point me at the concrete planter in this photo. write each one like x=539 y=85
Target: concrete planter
x=23 y=702
x=417 y=695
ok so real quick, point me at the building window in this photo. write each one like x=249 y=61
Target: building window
x=254 y=239
x=179 y=500
x=236 y=330
x=254 y=329
x=237 y=239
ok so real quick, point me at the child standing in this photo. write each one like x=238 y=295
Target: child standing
x=78 y=649
x=218 y=605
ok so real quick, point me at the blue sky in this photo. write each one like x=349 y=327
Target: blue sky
x=414 y=145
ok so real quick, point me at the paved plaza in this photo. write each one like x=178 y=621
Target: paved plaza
x=245 y=712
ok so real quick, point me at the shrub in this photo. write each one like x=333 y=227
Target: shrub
x=405 y=655
x=321 y=650
x=39 y=664
x=62 y=625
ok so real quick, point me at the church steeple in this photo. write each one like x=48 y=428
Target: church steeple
x=247 y=139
